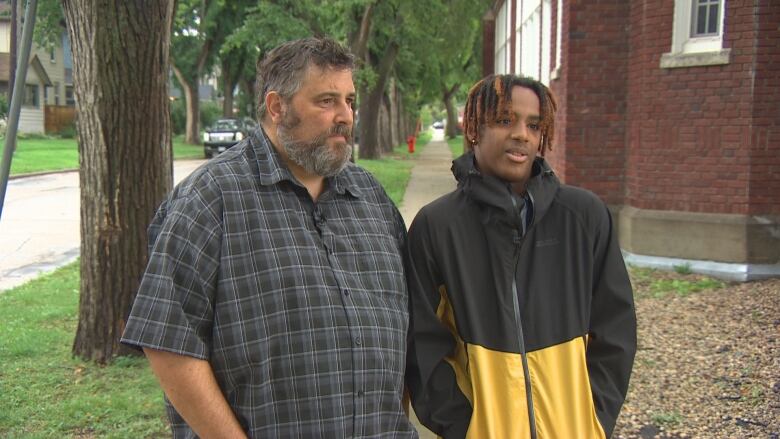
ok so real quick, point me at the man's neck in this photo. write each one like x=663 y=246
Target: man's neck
x=314 y=184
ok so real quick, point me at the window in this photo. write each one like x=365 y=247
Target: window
x=502 y=39
x=53 y=56
x=31 y=98
x=705 y=18
x=533 y=37
x=558 y=38
x=697 y=37
x=69 y=99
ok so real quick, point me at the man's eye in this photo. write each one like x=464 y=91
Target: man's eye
x=327 y=101
x=504 y=121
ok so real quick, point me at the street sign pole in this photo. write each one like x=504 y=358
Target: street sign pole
x=16 y=99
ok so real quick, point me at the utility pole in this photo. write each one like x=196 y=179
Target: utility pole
x=16 y=99
x=12 y=62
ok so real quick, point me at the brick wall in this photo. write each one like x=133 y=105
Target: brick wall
x=689 y=128
x=592 y=92
x=764 y=192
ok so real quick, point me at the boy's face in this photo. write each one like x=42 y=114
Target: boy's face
x=507 y=147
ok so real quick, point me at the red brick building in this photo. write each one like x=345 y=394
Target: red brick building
x=670 y=111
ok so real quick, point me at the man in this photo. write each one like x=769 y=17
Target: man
x=274 y=303
x=523 y=322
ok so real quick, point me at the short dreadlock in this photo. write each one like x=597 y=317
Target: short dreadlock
x=490 y=100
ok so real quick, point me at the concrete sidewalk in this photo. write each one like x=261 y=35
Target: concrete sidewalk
x=431 y=177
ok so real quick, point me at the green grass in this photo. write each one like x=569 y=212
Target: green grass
x=456 y=146
x=666 y=419
x=51 y=154
x=649 y=283
x=46 y=392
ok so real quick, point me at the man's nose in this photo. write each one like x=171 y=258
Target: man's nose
x=344 y=113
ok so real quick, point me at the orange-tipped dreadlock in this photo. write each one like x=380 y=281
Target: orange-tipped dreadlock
x=490 y=99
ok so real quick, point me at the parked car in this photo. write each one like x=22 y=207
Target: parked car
x=224 y=134
x=438 y=125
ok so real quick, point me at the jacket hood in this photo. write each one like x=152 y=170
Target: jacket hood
x=496 y=194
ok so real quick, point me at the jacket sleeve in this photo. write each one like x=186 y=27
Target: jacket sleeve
x=438 y=402
x=612 y=335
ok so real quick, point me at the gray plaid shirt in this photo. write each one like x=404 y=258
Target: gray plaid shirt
x=300 y=307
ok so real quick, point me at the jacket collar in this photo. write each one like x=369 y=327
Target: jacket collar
x=496 y=194
x=272 y=169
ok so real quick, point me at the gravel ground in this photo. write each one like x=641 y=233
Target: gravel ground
x=708 y=363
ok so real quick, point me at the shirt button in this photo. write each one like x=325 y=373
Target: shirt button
x=360 y=393
x=346 y=292
x=357 y=341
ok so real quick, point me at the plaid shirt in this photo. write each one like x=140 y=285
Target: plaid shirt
x=300 y=307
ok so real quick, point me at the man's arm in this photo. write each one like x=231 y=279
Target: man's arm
x=190 y=385
x=612 y=337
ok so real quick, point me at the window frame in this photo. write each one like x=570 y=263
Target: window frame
x=690 y=50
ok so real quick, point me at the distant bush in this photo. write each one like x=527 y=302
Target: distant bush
x=209 y=113
x=3 y=105
x=68 y=131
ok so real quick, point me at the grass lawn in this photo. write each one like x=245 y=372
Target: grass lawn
x=456 y=146
x=47 y=393
x=394 y=170
x=50 y=154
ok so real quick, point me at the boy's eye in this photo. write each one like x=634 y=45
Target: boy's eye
x=534 y=126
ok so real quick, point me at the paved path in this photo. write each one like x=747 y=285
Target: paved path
x=431 y=177
x=39 y=230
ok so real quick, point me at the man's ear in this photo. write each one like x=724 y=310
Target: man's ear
x=274 y=105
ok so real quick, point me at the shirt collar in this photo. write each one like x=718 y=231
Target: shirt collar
x=272 y=169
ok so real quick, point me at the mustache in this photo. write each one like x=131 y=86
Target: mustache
x=341 y=130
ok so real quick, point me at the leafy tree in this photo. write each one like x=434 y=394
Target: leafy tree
x=120 y=72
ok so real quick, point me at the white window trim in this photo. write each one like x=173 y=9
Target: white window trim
x=690 y=51
x=556 y=72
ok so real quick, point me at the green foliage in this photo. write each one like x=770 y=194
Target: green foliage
x=392 y=174
x=209 y=113
x=69 y=131
x=49 y=23
x=666 y=419
x=682 y=269
x=48 y=393
x=456 y=146
x=3 y=105
x=662 y=287
x=178 y=116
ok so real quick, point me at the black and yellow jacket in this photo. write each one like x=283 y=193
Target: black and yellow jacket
x=518 y=335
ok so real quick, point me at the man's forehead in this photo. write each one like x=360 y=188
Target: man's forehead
x=320 y=79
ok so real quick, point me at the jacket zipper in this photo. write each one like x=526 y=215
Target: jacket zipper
x=515 y=301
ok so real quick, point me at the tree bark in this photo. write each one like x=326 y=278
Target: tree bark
x=396 y=138
x=452 y=112
x=192 y=105
x=120 y=68
x=369 y=107
x=385 y=138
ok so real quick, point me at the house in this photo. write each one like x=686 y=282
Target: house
x=48 y=104
x=669 y=110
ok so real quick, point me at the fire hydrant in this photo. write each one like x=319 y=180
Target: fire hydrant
x=410 y=143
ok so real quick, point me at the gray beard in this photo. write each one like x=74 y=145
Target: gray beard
x=315 y=156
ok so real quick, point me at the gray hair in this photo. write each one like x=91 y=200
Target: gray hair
x=283 y=68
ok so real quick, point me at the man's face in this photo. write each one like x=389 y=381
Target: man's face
x=316 y=126
x=508 y=146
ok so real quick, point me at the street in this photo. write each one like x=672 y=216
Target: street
x=39 y=230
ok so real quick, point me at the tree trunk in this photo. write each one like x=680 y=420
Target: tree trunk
x=396 y=138
x=120 y=68
x=192 y=105
x=248 y=86
x=385 y=139
x=228 y=86
x=452 y=112
x=369 y=107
